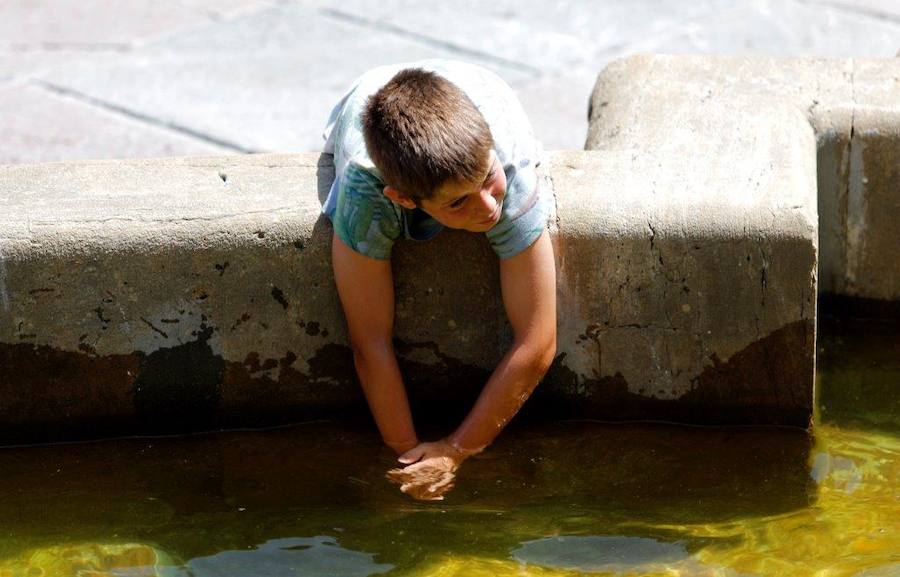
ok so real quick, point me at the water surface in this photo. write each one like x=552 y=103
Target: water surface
x=571 y=498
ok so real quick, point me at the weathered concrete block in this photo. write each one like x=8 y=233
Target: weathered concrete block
x=192 y=290
x=851 y=105
x=198 y=292
x=873 y=192
x=698 y=281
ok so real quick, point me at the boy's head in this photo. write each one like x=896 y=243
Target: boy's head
x=434 y=150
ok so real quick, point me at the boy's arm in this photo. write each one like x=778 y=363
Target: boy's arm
x=528 y=286
x=366 y=290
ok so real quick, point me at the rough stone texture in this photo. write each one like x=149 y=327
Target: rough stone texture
x=698 y=279
x=873 y=194
x=857 y=195
x=197 y=292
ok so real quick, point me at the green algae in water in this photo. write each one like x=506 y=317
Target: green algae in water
x=550 y=500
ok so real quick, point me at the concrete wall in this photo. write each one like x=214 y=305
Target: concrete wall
x=188 y=293
x=197 y=292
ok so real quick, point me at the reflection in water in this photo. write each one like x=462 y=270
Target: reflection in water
x=85 y=560
x=853 y=526
x=599 y=553
x=549 y=500
x=314 y=557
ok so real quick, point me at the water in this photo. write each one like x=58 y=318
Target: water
x=574 y=498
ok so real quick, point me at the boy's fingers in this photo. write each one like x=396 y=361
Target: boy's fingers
x=397 y=476
x=442 y=482
x=416 y=468
x=412 y=455
x=421 y=492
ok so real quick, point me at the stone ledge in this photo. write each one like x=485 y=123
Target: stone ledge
x=197 y=292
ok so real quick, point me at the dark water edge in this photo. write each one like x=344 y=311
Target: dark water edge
x=552 y=498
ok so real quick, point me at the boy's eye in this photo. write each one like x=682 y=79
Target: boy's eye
x=461 y=200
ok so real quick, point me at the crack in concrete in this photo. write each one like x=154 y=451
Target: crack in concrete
x=152 y=326
x=4 y=292
x=399 y=31
x=275 y=210
x=134 y=115
x=847 y=169
x=657 y=251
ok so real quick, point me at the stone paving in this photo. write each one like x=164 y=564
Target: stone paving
x=95 y=79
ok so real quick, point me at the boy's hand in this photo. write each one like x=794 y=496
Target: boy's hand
x=430 y=470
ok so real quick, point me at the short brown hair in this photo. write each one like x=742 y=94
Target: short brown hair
x=422 y=131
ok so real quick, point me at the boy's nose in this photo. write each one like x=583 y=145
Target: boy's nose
x=488 y=204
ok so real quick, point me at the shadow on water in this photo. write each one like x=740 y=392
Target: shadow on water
x=859 y=373
x=566 y=498
x=194 y=497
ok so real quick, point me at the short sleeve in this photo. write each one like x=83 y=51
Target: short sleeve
x=526 y=209
x=366 y=220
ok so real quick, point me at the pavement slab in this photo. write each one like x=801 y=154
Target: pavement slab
x=96 y=24
x=45 y=127
x=262 y=75
x=273 y=97
x=557 y=107
x=552 y=36
x=773 y=28
x=880 y=9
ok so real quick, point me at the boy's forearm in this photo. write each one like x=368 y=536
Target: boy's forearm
x=383 y=386
x=506 y=391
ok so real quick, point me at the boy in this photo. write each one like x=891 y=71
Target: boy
x=418 y=147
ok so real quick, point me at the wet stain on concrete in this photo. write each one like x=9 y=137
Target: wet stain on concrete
x=278 y=295
x=447 y=388
x=188 y=387
x=253 y=395
x=312 y=328
x=254 y=366
x=771 y=372
x=767 y=382
x=180 y=384
x=42 y=389
x=244 y=318
x=78 y=394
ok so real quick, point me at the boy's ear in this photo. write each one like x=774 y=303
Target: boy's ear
x=398 y=197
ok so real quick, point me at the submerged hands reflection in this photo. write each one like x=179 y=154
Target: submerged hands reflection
x=430 y=470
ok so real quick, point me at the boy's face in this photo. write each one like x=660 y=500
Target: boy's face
x=473 y=206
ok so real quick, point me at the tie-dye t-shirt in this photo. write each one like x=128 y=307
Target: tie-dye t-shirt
x=369 y=222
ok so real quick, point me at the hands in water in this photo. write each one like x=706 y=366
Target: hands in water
x=430 y=470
